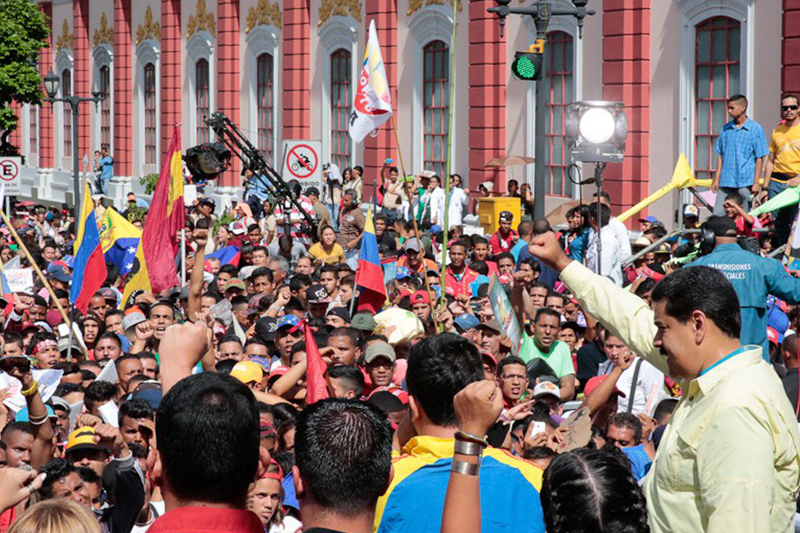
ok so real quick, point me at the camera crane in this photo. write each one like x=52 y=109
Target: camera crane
x=252 y=159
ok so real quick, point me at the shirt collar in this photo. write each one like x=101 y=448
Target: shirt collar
x=745 y=126
x=429 y=448
x=750 y=356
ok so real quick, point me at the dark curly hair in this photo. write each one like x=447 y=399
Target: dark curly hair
x=592 y=491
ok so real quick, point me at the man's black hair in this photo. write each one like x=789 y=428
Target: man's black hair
x=700 y=288
x=480 y=267
x=69 y=367
x=554 y=294
x=213 y=294
x=230 y=338
x=294 y=304
x=350 y=333
x=509 y=360
x=255 y=340
x=351 y=377
x=627 y=421
x=546 y=311
x=13 y=337
x=438 y=368
x=208 y=439
x=99 y=392
x=328 y=268
x=230 y=269
x=22 y=427
x=135 y=408
x=261 y=248
x=226 y=366
x=128 y=357
x=738 y=98
x=299 y=281
x=605 y=215
x=113 y=337
x=282 y=412
x=343 y=450
x=263 y=272
x=56 y=470
x=664 y=408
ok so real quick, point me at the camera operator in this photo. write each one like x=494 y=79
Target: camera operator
x=753 y=278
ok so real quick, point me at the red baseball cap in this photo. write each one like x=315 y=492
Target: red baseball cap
x=420 y=297
x=594 y=382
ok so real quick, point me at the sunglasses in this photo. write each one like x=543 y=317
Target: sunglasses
x=789 y=108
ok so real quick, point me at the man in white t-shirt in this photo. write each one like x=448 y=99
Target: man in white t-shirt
x=612 y=250
x=649 y=389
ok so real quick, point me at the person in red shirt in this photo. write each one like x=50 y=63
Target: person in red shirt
x=733 y=209
x=457 y=275
x=505 y=237
x=480 y=252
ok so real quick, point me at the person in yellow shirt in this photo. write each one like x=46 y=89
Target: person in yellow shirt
x=729 y=459
x=783 y=164
x=327 y=250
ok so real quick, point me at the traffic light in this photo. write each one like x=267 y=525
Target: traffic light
x=527 y=66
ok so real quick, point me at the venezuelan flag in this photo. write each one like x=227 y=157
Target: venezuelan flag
x=164 y=220
x=369 y=274
x=119 y=239
x=90 y=265
x=227 y=256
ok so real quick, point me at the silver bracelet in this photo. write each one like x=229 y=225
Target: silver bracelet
x=464 y=468
x=464 y=447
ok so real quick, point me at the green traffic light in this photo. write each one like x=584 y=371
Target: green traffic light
x=524 y=68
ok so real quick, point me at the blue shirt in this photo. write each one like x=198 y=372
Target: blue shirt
x=640 y=461
x=753 y=277
x=106 y=165
x=739 y=148
x=518 y=248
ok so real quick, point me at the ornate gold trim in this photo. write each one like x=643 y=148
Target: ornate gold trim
x=330 y=8
x=64 y=41
x=150 y=29
x=203 y=20
x=415 y=5
x=105 y=33
x=264 y=13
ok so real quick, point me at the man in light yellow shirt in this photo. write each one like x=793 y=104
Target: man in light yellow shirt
x=729 y=460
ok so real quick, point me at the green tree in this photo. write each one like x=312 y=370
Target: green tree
x=23 y=32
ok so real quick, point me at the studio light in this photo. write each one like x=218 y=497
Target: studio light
x=596 y=131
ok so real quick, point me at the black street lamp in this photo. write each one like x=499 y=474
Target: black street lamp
x=51 y=86
x=541 y=11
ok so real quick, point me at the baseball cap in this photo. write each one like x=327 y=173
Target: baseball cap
x=641 y=242
x=59 y=272
x=108 y=294
x=131 y=320
x=412 y=244
x=722 y=226
x=546 y=387
x=649 y=219
x=363 y=322
x=772 y=336
x=491 y=324
x=594 y=382
x=238 y=228
x=83 y=439
x=420 y=297
x=277 y=372
x=234 y=283
x=149 y=391
x=341 y=312
x=247 y=372
x=290 y=321
x=59 y=403
x=466 y=322
x=266 y=327
x=312 y=191
x=506 y=215
x=691 y=211
x=403 y=273
x=489 y=358
x=22 y=415
x=317 y=294
x=209 y=201
x=379 y=349
x=386 y=401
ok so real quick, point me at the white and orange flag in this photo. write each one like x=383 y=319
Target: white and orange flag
x=373 y=103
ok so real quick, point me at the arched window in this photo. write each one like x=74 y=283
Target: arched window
x=341 y=102
x=66 y=91
x=105 y=108
x=33 y=129
x=436 y=98
x=717 y=62
x=560 y=89
x=150 y=118
x=264 y=102
x=201 y=97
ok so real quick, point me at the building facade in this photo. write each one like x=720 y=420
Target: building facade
x=287 y=69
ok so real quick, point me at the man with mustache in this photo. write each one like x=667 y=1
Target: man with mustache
x=729 y=459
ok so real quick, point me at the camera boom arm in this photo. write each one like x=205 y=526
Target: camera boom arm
x=251 y=159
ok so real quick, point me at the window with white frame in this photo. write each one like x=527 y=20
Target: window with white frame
x=560 y=89
x=150 y=115
x=104 y=82
x=435 y=105
x=341 y=104
x=66 y=92
x=201 y=99
x=265 y=104
x=717 y=76
x=33 y=129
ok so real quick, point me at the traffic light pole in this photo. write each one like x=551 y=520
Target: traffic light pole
x=541 y=11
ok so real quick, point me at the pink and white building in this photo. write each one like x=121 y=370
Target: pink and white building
x=286 y=69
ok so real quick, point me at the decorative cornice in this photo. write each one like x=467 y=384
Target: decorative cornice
x=415 y=5
x=264 y=13
x=149 y=30
x=202 y=20
x=105 y=33
x=330 y=8
x=64 y=41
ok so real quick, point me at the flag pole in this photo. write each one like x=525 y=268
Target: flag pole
x=407 y=188
x=449 y=156
x=183 y=257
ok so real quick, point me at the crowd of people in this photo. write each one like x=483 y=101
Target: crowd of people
x=640 y=392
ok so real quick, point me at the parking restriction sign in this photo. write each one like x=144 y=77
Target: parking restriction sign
x=301 y=162
x=9 y=174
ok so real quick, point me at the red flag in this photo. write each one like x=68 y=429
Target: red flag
x=316 y=388
x=160 y=235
